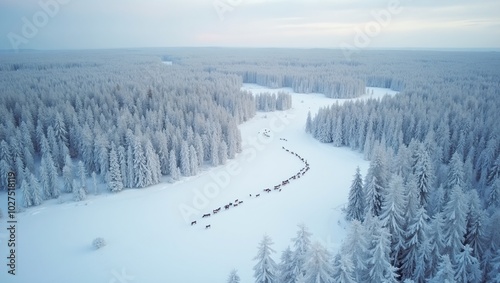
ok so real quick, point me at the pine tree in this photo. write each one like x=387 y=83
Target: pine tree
x=152 y=163
x=493 y=200
x=223 y=153
x=392 y=216
x=415 y=236
x=141 y=175
x=356 y=205
x=380 y=268
x=302 y=244
x=36 y=189
x=356 y=247
x=343 y=269
x=184 y=159
x=309 y=123
x=67 y=175
x=455 y=214
x=436 y=242
x=445 y=272
x=82 y=174
x=423 y=171
x=476 y=218
x=79 y=193
x=456 y=174
x=26 y=191
x=318 y=265
x=233 y=277
x=193 y=160
x=94 y=182
x=174 y=170
x=265 y=271
x=286 y=267
x=48 y=176
x=115 y=183
x=467 y=266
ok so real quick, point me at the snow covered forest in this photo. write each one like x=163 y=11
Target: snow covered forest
x=427 y=210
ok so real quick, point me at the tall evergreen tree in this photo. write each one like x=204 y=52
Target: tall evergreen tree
x=343 y=269
x=380 y=268
x=174 y=170
x=302 y=244
x=356 y=247
x=392 y=216
x=318 y=268
x=445 y=272
x=286 y=274
x=115 y=183
x=265 y=271
x=455 y=216
x=467 y=266
x=356 y=205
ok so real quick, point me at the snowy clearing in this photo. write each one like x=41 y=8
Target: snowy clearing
x=148 y=233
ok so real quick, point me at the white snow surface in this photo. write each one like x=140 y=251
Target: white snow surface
x=149 y=239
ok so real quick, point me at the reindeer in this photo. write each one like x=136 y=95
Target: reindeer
x=235 y=204
x=257 y=195
x=206 y=215
x=226 y=207
x=250 y=195
x=208 y=226
x=192 y=223
x=240 y=202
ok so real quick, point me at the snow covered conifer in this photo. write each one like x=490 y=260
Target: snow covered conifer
x=286 y=267
x=174 y=170
x=265 y=271
x=445 y=272
x=318 y=267
x=308 y=123
x=152 y=163
x=356 y=205
x=36 y=189
x=79 y=193
x=467 y=266
x=415 y=236
x=223 y=153
x=67 y=175
x=380 y=268
x=94 y=181
x=141 y=175
x=26 y=193
x=356 y=246
x=392 y=215
x=343 y=269
x=302 y=244
x=455 y=214
x=82 y=174
x=115 y=183
x=193 y=160
x=233 y=277
x=423 y=171
x=184 y=160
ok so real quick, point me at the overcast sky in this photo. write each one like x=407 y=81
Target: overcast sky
x=82 y=24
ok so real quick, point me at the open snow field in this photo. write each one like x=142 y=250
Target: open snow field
x=148 y=232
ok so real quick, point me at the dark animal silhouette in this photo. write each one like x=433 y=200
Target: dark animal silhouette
x=192 y=223
x=208 y=226
x=205 y=215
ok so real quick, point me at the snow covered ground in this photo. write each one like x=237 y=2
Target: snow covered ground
x=148 y=232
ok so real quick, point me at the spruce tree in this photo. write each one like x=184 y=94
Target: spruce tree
x=356 y=205
x=265 y=271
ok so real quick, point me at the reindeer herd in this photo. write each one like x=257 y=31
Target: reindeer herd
x=276 y=187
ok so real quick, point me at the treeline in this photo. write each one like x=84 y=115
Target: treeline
x=271 y=102
x=433 y=186
x=123 y=120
